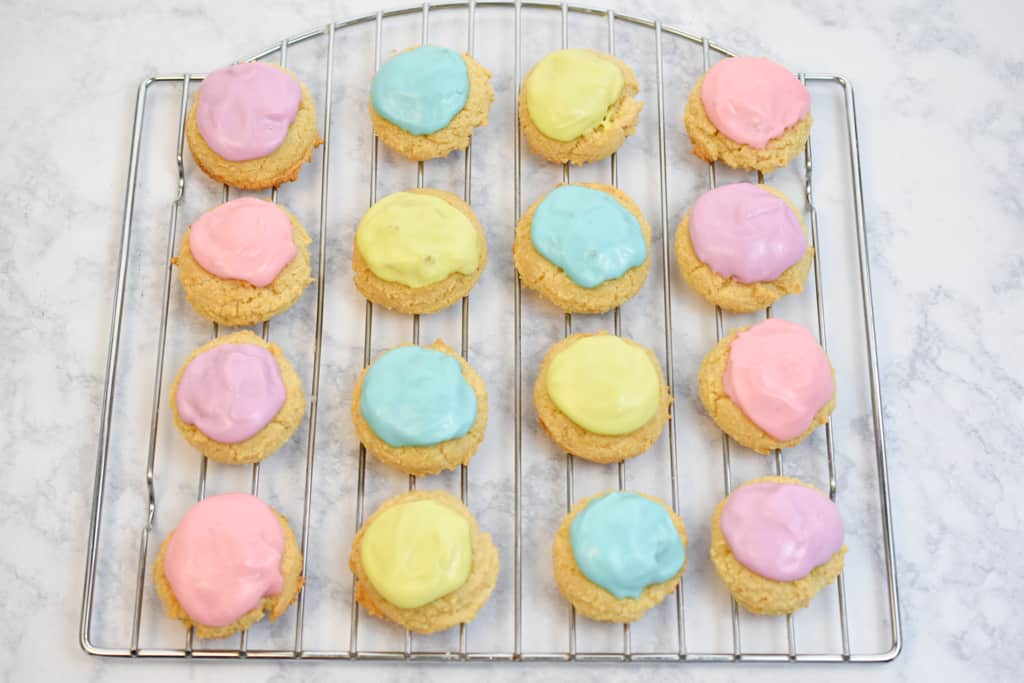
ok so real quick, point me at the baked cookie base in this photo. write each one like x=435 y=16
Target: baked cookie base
x=420 y=460
x=593 y=601
x=459 y=606
x=761 y=595
x=730 y=418
x=551 y=282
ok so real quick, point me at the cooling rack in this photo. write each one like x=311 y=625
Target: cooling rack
x=325 y=480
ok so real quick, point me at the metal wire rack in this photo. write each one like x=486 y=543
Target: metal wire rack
x=515 y=651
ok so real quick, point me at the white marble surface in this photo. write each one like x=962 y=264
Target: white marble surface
x=941 y=118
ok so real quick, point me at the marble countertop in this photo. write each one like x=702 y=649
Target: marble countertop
x=941 y=125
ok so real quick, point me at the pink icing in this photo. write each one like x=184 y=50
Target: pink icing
x=745 y=232
x=781 y=531
x=779 y=377
x=246 y=239
x=245 y=110
x=753 y=100
x=231 y=391
x=224 y=557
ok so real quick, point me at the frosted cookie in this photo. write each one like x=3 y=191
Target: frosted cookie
x=422 y=562
x=768 y=385
x=585 y=248
x=231 y=561
x=244 y=262
x=618 y=554
x=743 y=247
x=252 y=126
x=577 y=106
x=776 y=542
x=601 y=397
x=426 y=101
x=421 y=409
x=749 y=112
x=418 y=251
x=237 y=399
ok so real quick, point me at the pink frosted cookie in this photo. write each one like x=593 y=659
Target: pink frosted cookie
x=231 y=560
x=768 y=385
x=749 y=112
x=743 y=247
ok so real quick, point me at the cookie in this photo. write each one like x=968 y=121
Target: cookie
x=743 y=247
x=769 y=385
x=618 y=554
x=252 y=126
x=776 y=542
x=422 y=562
x=577 y=106
x=418 y=251
x=244 y=262
x=421 y=409
x=426 y=101
x=602 y=398
x=237 y=399
x=231 y=561
x=750 y=113
x=573 y=223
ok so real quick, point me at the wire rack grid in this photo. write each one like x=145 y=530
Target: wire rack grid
x=516 y=650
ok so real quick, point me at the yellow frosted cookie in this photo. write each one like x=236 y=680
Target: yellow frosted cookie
x=763 y=521
x=261 y=125
x=577 y=106
x=430 y=101
x=237 y=405
x=643 y=569
x=420 y=459
x=557 y=286
x=431 y=557
x=232 y=242
x=614 y=391
x=416 y=265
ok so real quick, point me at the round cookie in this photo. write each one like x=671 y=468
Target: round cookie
x=592 y=600
x=431 y=459
x=234 y=301
x=457 y=606
x=759 y=594
x=554 y=284
x=269 y=437
x=729 y=292
x=274 y=606
x=249 y=85
x=575 y=439
x=762 y=103
x=432 y=297
x=602 y=140
x=456 y=133
x=800 y=348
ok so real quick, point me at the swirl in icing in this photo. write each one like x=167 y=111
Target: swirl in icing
x=412 y=396
x=225 y=557
x=230 y=391
x=416 y=552
x=569 y=92
x=588 y=234
x=746 y=232
x=753 y=100
x=245 y=239
x=779 y=377
x=781 y=531
x=245 y=110
x=421 y=90
x=624 y=543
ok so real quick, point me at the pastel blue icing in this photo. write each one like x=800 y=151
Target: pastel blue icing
x=414 y=396
x=624 y=542
x=588 y=234
x=421 y=90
